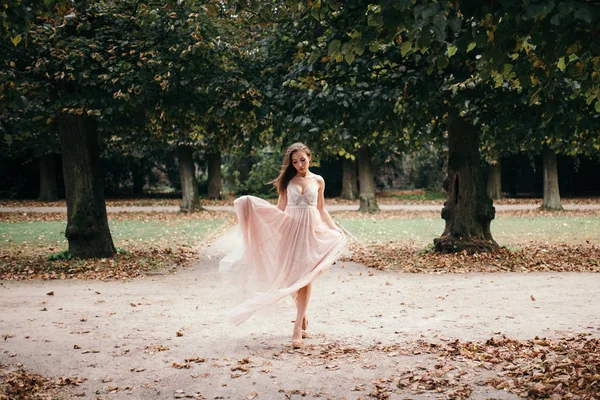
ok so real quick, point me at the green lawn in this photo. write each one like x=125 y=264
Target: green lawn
x=505 y=230
x=51 y=233
x=415 y=195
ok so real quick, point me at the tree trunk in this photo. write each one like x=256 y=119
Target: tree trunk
x=349 y=187
x=214 y=175
x=138 y=175
x=494 y=183
x=551 y=191
x=87 y=225
x=366 y=180
x=189 y=186
x=468 y=210
x=48 y=186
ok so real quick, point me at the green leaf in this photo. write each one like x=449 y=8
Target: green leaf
x=589 y=99
x=359 y=48
x=584 y=14
x=535 y=96
x=561 y=64
x=16 y=40
x=598 y=106
x=349 y=58
x=314 y=56
x=442 y=62
x=455 y=23
x=314 y=12
x=375 y=20
x=333 y=48
x=405 y=48
x=471 y=46
x=452 y=50
x=212 y=10
x=430 y=9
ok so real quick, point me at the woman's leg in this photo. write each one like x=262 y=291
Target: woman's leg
x=302 y=300
x=305 y=319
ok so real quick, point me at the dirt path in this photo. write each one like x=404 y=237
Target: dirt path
x=124 y=337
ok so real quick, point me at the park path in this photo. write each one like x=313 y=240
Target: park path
x=125 y=336
x=330 y=207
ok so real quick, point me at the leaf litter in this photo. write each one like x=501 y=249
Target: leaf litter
x=532 y=257
x=22 y=384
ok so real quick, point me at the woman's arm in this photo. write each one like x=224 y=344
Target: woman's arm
x=282 y=201
x=321 y=206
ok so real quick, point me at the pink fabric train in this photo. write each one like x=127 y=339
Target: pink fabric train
x=282 y=251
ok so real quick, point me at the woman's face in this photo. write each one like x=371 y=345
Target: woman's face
x=300 y=161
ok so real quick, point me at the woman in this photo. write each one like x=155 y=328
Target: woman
x=285 y=247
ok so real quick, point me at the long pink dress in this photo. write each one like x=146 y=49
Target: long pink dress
x=282 y=251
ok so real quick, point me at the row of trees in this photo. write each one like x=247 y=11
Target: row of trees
x=353 y=79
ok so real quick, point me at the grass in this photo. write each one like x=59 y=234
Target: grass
x=506 y=230
x=51 y=233
x=415 y=195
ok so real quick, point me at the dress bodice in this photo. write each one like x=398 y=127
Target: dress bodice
x=296 y=198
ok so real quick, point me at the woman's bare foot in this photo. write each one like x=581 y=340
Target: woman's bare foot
x=297 y=338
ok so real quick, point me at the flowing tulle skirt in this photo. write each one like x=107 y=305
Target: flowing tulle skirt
x=281 y=253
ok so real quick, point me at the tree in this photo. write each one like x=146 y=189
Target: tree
x=87 y=224
x=551 y=192
x=368 y=200
x=349 y=187
x=48 y=183
x=476 y=53
x=189 y=185
x=468 y=210
x=214 y=175
x=494 y=181
x=99 y=78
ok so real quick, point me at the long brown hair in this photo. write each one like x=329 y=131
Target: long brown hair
x=287 y=168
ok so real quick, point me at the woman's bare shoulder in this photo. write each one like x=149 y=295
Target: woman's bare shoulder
x=318 y=178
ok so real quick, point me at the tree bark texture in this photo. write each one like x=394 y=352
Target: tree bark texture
x=48 y=185
x=468 y=210
x=551 y=191
x=87 y=225
x=494 y=182
x=366 y=181
x=214 y=176
x=349 y=186
x=189 y=186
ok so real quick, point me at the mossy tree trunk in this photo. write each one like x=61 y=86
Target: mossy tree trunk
x=349 y=186
x=468 y=211
x=48 y=185
x=494 y=182
x=551 y=191
x=214 y=175
x=366 y=181
x=87 y=230
x=189 y=186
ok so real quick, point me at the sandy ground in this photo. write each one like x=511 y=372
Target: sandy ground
x=124 y=337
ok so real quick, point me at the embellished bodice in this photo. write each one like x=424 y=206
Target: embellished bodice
x=295 y=198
